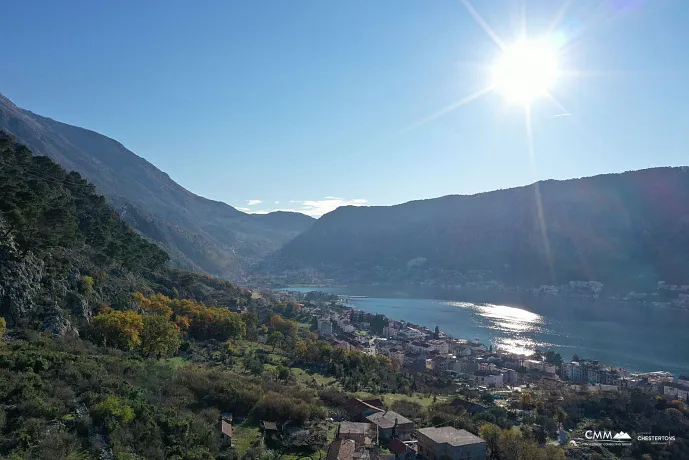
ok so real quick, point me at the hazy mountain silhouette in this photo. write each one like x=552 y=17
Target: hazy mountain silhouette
x=200 y=234
x=627 y=229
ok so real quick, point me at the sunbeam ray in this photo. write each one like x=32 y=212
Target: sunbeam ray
x=559 y=16
x=484 y=25
x=537 y=191
x=522 y=22
x=448 y=109
x=556 y=101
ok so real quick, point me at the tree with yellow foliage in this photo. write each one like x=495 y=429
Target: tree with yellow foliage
x=120 y=329
x=157 y=304
x=197 y=319
x=286 y=327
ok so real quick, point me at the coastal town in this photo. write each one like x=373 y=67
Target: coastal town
x=482 y=377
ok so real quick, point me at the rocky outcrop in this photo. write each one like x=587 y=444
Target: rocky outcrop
x=56 y=322
x=20 y=286
x=78 y=306
x=23 y=299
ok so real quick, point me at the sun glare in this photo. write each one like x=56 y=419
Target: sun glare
x=526 y=71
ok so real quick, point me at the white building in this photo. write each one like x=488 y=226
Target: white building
x=509 y=376
x=413 y=334
x=487 y=379
x=325 y=327
x=440 y=346
x=540 y=366
x=477 y=348
x=390 y=331
x=464 y=352
x=418 y=347
x=574 y=371
x=676 y=391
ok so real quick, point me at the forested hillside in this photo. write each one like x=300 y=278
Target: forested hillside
x=64 y=251
x=627 y=230
x=199 y=234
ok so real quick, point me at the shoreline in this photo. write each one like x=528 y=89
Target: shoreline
x=522 y=294
x=526 y=351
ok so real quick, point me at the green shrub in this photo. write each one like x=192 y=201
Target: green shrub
x=86 y=285
x=113 y=408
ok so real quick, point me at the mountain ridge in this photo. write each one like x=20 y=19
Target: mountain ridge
x=630 y=224
x=201 y=234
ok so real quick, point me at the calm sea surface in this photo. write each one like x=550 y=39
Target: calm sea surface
x=638 y=337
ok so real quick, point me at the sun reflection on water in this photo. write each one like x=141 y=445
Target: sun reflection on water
x=513 y=328
x=510 y=318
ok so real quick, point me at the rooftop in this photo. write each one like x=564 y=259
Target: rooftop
x=397 y=447
x=486 y=373
x=269 y=426
x=342 y=449
x=226 y=428
x=451 y=436
x=356 y=406
x=679 y=386
x=354 y=428
x=387 y=419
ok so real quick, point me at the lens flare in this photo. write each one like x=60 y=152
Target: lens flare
x=526 y=71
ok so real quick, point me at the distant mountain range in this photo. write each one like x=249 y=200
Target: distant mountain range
x=199 y=234
x=627 y=230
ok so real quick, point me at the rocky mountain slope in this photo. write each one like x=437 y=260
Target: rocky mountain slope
x=64 y=252
x=627 y=230
x=199 y=234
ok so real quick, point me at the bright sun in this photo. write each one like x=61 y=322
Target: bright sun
x=526 y=71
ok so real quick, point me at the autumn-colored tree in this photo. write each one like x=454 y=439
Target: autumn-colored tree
x=286 y=327
x=526 y=400
x=160 y=337
x=121 y=329
x=182 y=323
x=3 y=326
x=157 y=304
x=197 y=319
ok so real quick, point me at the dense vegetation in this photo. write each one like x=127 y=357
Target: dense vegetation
x=67 y=399
x=47 y=211
x=627 y=230
x=199 y=234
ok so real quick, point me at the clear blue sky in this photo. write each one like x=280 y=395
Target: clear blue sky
x=297 y=101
